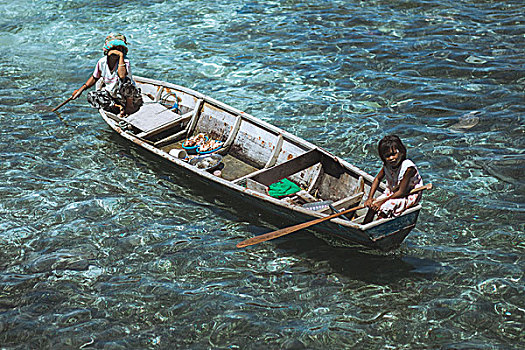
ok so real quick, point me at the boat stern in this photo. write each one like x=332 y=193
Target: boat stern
x=388 y=234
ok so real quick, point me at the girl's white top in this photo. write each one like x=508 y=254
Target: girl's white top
x=110 y=78
x=396 y=206
x=394 y=176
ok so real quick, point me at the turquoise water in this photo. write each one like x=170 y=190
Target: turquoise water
x=102 y=248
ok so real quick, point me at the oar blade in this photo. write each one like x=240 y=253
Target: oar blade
x=272 y=235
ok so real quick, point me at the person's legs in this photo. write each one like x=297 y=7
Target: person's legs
x=102 y=99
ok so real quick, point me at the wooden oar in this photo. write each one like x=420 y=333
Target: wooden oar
x=60 y=105
x=79 y=92
x=287 y=230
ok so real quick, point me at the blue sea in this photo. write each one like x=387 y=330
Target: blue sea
x=103 y=248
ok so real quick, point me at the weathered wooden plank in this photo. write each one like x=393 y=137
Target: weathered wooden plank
x=194 y=118
x=307 y=197
x=151 y=116
x=275 y=154
x=231 y=136
x=318 y=172
x=170 y=139
x=253 y=144
x=244 y=178
x=255 y=186
x=166 y=126
x=288 y=168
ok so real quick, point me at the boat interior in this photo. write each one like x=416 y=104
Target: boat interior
x=254 y=154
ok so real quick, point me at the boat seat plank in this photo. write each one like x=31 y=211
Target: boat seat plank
x=166 y=126
x=243 y=178
x=170 y=139
x=290 y=167
x=267 y=176
x=151 y=116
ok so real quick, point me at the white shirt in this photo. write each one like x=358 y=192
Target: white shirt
x=109 y=78
x=394 y=176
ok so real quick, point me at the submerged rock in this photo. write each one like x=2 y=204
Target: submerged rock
x=467 y=121
x=509 y=168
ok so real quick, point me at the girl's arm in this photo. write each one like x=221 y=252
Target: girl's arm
x=121 y=70
x=375 y=184
x=401 y=191
x=89 y=83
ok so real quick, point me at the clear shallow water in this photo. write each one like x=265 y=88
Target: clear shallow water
x=102 y=248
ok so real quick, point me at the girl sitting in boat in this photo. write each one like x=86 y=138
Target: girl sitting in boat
x=401 y=176
x=119 y=94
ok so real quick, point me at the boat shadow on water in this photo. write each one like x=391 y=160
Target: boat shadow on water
x=356 y=263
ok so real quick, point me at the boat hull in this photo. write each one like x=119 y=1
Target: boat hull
x=384 y=234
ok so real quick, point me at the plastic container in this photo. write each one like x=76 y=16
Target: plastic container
x=192 y=149
x=209 y=151
x=207 y=162
x=317 y=205
x=178 y=153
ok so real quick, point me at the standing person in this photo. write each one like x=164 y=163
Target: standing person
x=118 y=93
x=401 y=176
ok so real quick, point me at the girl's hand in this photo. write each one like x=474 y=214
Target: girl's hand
x=76 y=93
x=368 y=202
x=376 y=205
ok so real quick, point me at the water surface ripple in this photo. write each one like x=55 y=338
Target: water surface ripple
x=102 y=248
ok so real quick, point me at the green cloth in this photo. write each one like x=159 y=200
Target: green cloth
x=283 y=188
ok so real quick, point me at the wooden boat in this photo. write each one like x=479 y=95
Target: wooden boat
x=255 y=154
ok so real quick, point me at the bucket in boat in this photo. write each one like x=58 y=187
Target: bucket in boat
x=207 y=162
x=193 y=148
